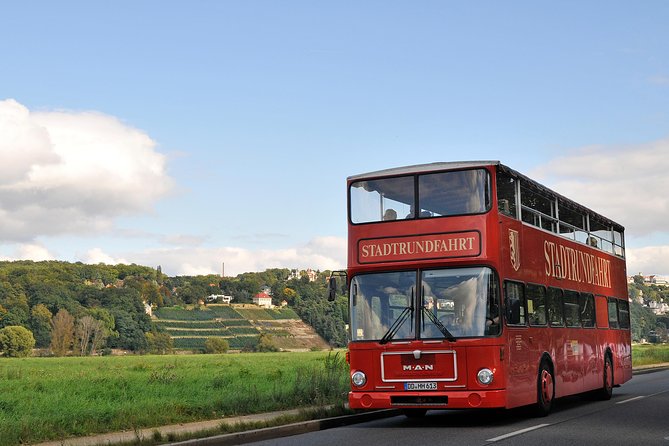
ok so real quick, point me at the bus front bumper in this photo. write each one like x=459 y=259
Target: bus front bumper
x=461 y=399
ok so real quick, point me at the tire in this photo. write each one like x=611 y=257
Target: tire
x=545 y=390
x=607 y=385
x=414 y=413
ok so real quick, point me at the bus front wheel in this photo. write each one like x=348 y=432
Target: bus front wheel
x=545 y=389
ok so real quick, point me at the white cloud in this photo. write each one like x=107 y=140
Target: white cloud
x=29 y=251
x=648 y=260
x=97 y=255
x=628 y=184
x=320 y=253
x=72 y=172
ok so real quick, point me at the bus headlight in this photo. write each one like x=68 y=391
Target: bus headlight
x=484 y=376
x=358 y=378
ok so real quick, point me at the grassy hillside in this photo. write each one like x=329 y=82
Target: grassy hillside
x=240 y=325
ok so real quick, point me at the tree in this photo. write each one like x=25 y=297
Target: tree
x=62 y=332
x=16 y=341
x=89 y=334
x=40 y=324
x=151 y=294
x=216 y=345
x=159 y=343
x=131 y=335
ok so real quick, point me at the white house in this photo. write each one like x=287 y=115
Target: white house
x=263 y=300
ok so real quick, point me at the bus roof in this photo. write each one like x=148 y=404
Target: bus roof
x=422 y=168
x=456 y=165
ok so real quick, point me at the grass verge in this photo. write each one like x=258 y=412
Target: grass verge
x=648 y=354
x=157 y=438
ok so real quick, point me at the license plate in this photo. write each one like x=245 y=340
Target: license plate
x=421 y=386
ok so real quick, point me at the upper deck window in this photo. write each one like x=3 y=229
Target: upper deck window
x=441 y=194
x=528 y=201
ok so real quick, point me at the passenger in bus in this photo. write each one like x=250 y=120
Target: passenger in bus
x=390 y=214
x=592 y=241
x=492 y=319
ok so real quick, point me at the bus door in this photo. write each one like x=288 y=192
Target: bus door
x=593 y=359
x=574 y=347
x=520 y=346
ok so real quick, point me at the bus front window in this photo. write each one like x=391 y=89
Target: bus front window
x=382 y=306
x=382 y=200
x=440 y=194
x=462 y=192
x=464 y=300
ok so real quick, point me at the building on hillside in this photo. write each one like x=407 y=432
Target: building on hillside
x=658 y=307
x=652 y=279
x=657 y=280
x=219 y=298
x=298 y=274
x=147 y=309
x=263 y=300
x=311 y=274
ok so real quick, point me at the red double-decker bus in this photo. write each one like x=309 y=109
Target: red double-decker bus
x=473 y=286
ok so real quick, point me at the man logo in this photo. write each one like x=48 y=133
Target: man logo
x=418 y=367
x=514 y=250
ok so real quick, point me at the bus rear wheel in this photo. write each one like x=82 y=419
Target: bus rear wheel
x=545 y=390
x=607 y=388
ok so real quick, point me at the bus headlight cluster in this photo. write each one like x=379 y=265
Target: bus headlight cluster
x=358 y=378
x=484 y=376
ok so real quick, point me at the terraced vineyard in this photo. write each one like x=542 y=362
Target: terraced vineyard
x=240 y=325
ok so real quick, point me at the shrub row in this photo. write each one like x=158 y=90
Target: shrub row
x=202 y=314
x=203 y=324
x=236 y=343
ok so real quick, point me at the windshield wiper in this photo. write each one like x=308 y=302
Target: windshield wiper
x=447 y=334
x=392 y=331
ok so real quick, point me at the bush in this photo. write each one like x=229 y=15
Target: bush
x=159 y=343
x=266 y=343
x=216 y=345
x=16 y=341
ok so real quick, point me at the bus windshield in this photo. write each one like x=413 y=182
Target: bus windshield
x=462 y=192
x=454 y=302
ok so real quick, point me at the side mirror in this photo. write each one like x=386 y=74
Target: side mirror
x=332 y=288
x=333 y=284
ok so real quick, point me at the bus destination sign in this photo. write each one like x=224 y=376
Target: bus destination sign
x=396 y=249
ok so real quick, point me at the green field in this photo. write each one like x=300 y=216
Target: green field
x=650 y=354
x=55 y=398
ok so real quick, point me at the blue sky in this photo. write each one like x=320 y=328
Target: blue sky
x=186 y=134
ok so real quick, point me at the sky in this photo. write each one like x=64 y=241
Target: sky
x=192 y=134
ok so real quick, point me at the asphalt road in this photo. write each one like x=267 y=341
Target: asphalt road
x=638 y=414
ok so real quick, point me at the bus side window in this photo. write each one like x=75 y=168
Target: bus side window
x=506 y=194
x=536 y=304
x=555 y=311
x=613 y=312
x=571 y=309
x=587 y=309
x=515 y=303
x=624 y=314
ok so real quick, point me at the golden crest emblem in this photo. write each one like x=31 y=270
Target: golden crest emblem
x=514 y=249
